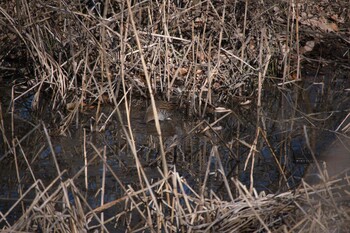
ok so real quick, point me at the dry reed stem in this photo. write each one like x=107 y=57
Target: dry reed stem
x=108 y=54
x=196 y=213
x=155 y=113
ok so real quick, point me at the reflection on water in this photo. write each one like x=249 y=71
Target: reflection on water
x=280 y=158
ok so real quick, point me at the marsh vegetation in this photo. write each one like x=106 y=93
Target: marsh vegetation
x=174 y=116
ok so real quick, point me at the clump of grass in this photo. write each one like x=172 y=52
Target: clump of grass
x=79 y=54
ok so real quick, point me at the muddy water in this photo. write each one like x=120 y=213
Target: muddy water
x=295 y=121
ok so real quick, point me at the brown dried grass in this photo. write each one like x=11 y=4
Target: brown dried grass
x=197 y=52
x=170 y=204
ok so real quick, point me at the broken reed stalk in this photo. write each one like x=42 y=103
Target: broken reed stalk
x=244 y=33
x=150 y=90
x=278 y=163
x=85 y=161
x=103 y=185
x=289 y=43
x=20 y=186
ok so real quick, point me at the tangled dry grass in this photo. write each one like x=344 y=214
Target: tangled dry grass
x=74 y=54
x=171 y=205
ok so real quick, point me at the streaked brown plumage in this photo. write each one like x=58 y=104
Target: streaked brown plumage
x=164 y=110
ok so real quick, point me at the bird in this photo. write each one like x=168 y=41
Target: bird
x=164 y=111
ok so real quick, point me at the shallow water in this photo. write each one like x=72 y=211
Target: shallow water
x=311 y=109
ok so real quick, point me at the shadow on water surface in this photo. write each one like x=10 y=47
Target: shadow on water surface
x=293 y=123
